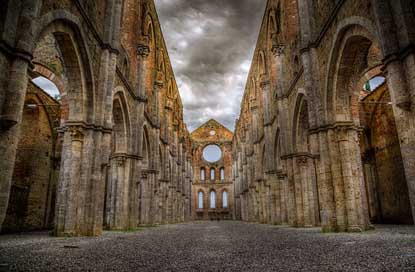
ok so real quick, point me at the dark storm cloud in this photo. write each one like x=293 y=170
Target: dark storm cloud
x=211 y=44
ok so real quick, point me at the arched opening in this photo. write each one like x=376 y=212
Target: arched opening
x=305 y=181
x=361 y=96
x=200 y=200
x=151 y=65
x=212 y=200
x=117 y=177
x=225 y=200
x=145 y=149
x=212 y=174
x=56 y=93
x=302 y=125
x=119 y=129
x=386 y=187
x=222 y=174
x=202 y=174
x=36 y=170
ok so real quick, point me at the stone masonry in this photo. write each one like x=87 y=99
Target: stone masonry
x=114 y=151
x=325 y=137
x=311 y=148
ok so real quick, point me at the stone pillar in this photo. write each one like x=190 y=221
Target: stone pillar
x=283 y=196
x=337 y=181
x=66 y=215
x=292 y=207
x=352 y=179
x=20 y=29
x=299 y=191
x=145 y=199
x=9 y=129
x=325 y=182
x=392 y=19
x=274 y=199
x=143 y=51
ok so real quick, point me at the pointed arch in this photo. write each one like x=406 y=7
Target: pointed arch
x=202 y=174
x=354 y=37
x=225 y=203
x=262 y=65
x=301 y=124
x=148 y=30
x=145 y=147
x=222 y=174
x=67 y=31
x=212 y=199
x=200 y=199
x=121 y=123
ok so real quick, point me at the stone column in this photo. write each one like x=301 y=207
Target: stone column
x=392 y=19
x=10 y=120
x=350 y=154
x=143 y=51
x=300 y=191
x=292 y=207
x=337 y=181
x=145 y=199
x=283 y=196
x=66 y=215
x=325 y=183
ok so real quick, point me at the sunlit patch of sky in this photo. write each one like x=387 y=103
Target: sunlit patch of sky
x=48 y=86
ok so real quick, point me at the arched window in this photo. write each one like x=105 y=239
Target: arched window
x=222 y=174
x=200 y=200
x=225 y=199
x=202 y=174
x=212 y=174
x=212 y=200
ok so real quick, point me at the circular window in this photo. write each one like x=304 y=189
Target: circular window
x=212 y=153
x=212 y=133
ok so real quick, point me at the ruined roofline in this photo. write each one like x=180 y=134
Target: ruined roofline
x=255 y=53
x=207 y=122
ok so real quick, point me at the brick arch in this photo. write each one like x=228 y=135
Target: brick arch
x=121 y=124
x=67 y=31
x=151 y=59
x=300 y=124
x=43 y=71
x=262 y=64
x=353 y=39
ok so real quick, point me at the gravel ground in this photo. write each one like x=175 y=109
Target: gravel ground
x=214 y=246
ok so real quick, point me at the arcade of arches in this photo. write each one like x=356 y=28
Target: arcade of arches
x=325 y=137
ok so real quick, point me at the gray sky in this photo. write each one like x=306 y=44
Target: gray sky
x=211 y=45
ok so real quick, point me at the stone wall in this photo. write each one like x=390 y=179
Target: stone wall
x=34 y=179
x=212 y=133
x=296 y=147
x=124 y=150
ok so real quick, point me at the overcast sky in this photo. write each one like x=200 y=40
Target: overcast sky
x=211 y=45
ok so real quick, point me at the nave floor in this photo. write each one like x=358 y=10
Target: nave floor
x=214 y=246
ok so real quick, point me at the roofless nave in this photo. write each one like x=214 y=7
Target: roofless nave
x=325 y=135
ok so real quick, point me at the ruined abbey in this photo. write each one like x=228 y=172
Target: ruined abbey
x=325 y=136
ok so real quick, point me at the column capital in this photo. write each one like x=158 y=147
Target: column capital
x=143 y=48
x=302 y=160
x=76 y=132
x=278 y=49
x=265 y=82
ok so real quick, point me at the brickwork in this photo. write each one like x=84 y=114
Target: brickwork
x=123 y=155
x=212 y=133
x=306 y=104
x=117 y=153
